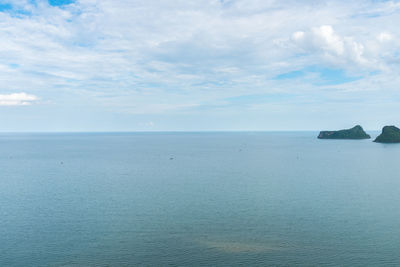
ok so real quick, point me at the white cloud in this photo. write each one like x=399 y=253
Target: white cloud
x=148 y=124
x=111 y=45
x=299 y=35
x=385 y=37
x=325 y=38
x=328 y=45
x=161 y=57
x=17 y=99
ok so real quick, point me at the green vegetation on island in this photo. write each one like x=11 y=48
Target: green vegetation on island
x=390 y=134
x=357 y=132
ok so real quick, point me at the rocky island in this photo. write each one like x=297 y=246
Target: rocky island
x=390 y=134
x=357 y=132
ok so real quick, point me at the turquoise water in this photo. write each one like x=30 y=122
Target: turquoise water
x=184 y=199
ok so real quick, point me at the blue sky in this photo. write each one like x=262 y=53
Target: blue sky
x=127 y=65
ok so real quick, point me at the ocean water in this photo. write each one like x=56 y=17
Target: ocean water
x=198 y=199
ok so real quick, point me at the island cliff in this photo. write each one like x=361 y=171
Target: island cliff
x=390 y=134
x=356 y=132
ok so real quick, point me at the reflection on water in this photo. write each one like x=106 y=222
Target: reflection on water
x=239 y=247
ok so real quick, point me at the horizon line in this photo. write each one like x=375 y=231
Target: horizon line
x=164 y=131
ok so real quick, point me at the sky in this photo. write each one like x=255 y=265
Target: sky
x=200 y=65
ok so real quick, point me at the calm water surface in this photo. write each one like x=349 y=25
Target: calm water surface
x=188 y=199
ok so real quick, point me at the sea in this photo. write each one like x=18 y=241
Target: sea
x=198 y=199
